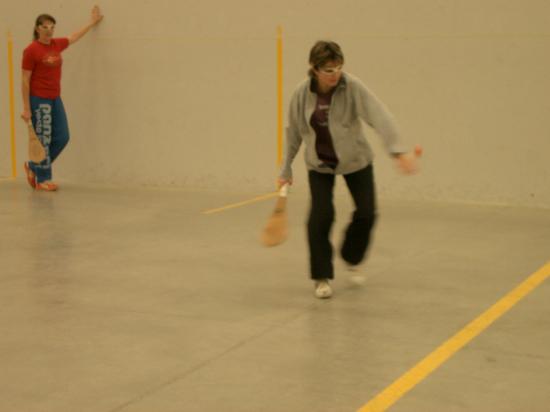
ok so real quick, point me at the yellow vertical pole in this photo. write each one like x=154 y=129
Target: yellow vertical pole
x=12 y=107
x=279 y=96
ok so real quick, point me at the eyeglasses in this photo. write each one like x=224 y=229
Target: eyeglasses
x=330 y=70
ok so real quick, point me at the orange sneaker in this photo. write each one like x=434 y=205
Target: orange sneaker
x=47 y=186
x=31 y=177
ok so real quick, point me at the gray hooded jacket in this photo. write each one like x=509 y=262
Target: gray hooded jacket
x=351 y=103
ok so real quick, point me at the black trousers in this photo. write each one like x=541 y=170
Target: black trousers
x=321 y=217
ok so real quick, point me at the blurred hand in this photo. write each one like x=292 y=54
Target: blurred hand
x=406 y=163
x=26 y=115
x=281 y=182
x=96 y=15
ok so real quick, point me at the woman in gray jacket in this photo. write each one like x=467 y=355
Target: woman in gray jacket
x=325 y=113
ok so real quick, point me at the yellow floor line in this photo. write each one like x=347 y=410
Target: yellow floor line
x=244 y=203
x=430 y=363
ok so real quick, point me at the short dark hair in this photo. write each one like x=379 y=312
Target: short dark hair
x=323 y=52
x=40 y=20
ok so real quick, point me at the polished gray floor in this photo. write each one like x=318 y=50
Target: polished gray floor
x=132 y=300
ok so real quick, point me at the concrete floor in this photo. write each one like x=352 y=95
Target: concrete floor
x=132 y=300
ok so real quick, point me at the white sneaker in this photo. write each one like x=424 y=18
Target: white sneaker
x=357 y=279
x=323 y=289
x=356 y=276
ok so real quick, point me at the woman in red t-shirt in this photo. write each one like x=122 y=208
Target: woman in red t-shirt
x=41 y=88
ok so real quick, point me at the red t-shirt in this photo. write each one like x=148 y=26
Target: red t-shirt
x=44 y=60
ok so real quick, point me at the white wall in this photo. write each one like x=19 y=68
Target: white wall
x=184 y=93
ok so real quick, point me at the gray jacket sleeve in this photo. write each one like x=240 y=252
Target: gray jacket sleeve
x=293 y=138
x=375 y=114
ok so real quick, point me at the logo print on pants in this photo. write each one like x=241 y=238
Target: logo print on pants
x=44 y=123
